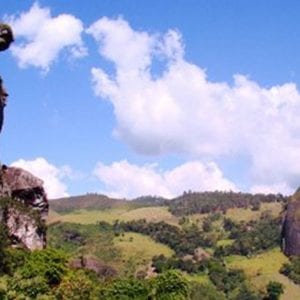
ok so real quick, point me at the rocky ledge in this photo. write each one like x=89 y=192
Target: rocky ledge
x=23 y=207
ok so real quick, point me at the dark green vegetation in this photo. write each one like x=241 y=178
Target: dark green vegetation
x=251 y=238
x=182 y=241
x=138 y=250
x=208 y=202
x=291 y=269
x=46 y=275
x=187 y=204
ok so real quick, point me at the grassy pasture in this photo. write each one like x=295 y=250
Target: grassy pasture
x=264 y=268
x=83 y=216
x=151 y=214
x=154 y=214
x=226 y=242
x=200 y=278
x=143 y=247
x=136 y=251
x=241 y=214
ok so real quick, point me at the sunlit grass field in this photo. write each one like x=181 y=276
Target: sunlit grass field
x=154 y=214
x=137 y=245
x=264 y=268
x=137 y=250
x=241 y=214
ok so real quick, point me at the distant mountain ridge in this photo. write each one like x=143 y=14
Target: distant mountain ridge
x=88 y=201
x=207 y=202
x=186 y=204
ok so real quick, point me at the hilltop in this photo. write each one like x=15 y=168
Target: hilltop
x=92 y=201
x=187 y=204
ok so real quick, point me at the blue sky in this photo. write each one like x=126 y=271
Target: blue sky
x=132 y=98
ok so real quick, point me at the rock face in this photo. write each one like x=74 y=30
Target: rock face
x=291 y=227
x=24 y=207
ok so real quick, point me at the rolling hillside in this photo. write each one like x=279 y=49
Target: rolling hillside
x=133 y=251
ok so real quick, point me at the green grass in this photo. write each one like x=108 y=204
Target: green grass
x=226 y=242
x=136 y=251
x=200 y=278
x=154 y=214
x=268 y=262
x=92 y=216
x=151 y=214
x=241 y=214
x=138 y=245
x=264 y=268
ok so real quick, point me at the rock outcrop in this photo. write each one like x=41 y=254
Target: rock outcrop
x=94 y=264
x=24 y=207
x=291 y=227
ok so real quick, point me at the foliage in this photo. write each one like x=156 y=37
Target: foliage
x=244 y=293
x=35 y=274
x=209 y=202
x=125 y=289
x=274 y=290
x=225 y=280
x=166 y=286
x=292 y=269
x=205 y=292
x=162 y=263
x=68 y=236
x=49 y=264
x=79 y=239
x=3 y=251
x=170 y=285
x=27 y=287
x=182 y=241
x=75 y=285
x=252 y=237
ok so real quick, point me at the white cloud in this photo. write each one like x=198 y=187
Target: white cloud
x=281 y=188
x=136 y=55
x=122 y=179
x=50 y=174
x=181 y=111
x=42 y=37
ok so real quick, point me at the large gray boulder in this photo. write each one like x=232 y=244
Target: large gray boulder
x=24 y=207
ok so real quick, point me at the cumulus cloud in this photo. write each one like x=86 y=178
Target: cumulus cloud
x=180 y=110
x=122 y=179
x=40 y=37
x=281 y=188
x=50 y=174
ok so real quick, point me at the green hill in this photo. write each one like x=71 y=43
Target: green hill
x=88 y=201
x=236 y=231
